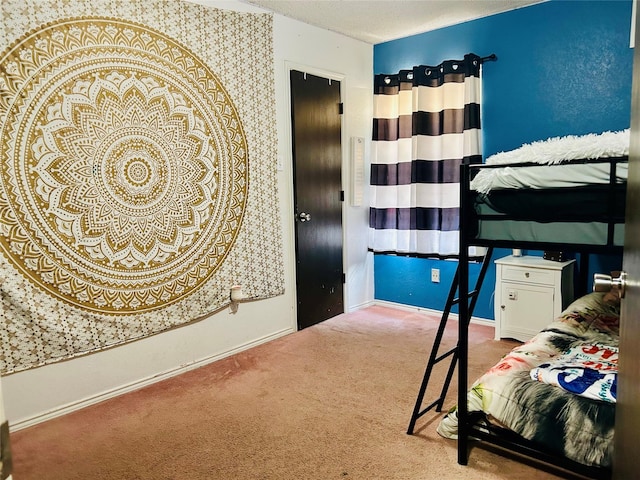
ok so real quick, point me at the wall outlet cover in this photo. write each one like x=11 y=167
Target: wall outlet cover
x=435 y=275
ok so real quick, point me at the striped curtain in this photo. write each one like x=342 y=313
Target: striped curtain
x=426 y=122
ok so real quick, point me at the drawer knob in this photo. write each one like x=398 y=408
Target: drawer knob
x=526 y=274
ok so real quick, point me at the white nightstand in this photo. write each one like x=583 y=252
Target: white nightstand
x=530 y=293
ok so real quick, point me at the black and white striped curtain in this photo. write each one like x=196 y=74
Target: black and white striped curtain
x=426 y=122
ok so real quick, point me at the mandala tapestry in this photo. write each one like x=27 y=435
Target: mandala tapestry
x=137 y=171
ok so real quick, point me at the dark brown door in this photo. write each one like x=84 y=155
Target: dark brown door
x=627 y=429
x=317 y=160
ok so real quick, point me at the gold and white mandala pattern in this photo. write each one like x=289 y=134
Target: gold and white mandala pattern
x=124 y=165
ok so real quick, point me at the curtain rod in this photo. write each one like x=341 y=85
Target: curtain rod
x=490 y=57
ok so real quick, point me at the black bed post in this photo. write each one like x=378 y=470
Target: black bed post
x=463 y=308
x=583 y=275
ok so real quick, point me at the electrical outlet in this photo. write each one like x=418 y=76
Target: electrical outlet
x=435 y=275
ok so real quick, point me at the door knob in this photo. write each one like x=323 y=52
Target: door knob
x=606 y=283
x=304 y=217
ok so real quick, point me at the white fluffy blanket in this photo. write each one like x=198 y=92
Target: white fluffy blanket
x=549 y=152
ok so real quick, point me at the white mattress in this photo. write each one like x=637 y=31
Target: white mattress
x=550 y=173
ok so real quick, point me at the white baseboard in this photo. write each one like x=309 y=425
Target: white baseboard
x=360 y=306
x=138 y=384
x=454 y=316
x=143 y=382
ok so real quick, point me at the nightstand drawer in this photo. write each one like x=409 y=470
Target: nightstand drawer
x=529 y=275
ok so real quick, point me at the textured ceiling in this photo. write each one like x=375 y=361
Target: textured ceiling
x=380 y=21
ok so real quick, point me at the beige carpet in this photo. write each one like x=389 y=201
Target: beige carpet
x=330 y=402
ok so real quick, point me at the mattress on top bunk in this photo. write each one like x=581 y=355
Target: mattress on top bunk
x=553 y=153
x=575 y=426
x=583 y=172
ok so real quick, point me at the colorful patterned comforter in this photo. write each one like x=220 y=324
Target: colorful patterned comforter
x=576 y=426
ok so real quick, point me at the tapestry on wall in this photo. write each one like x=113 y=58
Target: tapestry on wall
x=137 y=171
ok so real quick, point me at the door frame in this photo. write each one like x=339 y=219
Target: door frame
x=288 y=164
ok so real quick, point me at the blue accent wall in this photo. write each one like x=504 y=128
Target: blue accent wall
x=407 y=280
x=564 y=67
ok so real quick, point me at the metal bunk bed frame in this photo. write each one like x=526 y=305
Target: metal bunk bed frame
x=467 y=426
x=504 y=440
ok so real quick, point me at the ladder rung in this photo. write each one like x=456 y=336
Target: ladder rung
x=426 y=409
x=445 y=355
x=471 y=294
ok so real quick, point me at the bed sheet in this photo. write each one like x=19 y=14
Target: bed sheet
x=547 y=176
x=576 y=427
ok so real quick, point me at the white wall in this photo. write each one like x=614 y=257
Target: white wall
x=42 y=393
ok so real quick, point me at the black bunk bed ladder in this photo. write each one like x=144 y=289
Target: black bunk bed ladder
x=434 y=358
